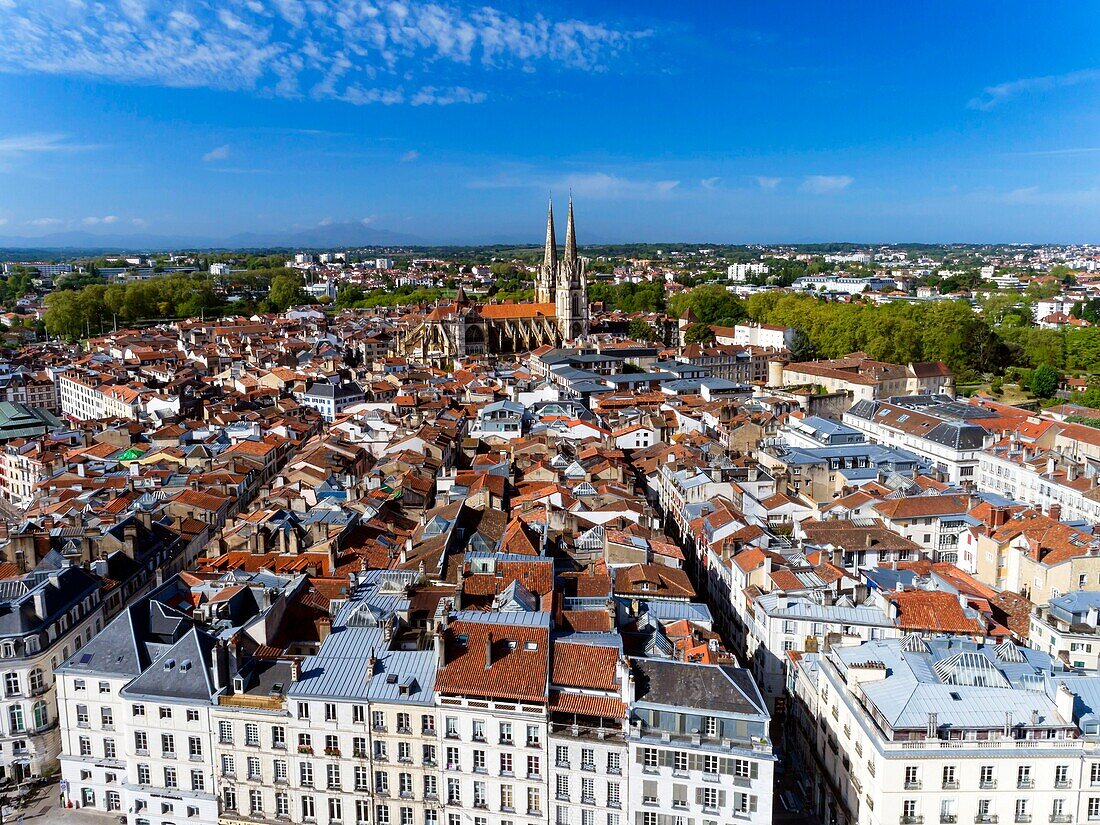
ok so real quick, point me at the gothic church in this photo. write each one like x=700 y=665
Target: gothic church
x=558 y=314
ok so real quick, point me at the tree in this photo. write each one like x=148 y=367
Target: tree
x=640 y=330
x=709 y=303
x=1044 y=381
x=286 y=291
x=63 y=314
x=699 y=334
x=349 y=296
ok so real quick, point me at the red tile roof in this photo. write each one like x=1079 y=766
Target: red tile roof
x=511 y=673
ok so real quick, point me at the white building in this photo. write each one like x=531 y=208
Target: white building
x=764 y=335
x=945 y=730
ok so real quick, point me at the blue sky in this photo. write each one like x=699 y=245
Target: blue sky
x=719 y=121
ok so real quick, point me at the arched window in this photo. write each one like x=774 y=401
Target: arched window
x=7 y=650
x=36 y=679
x=41 y=715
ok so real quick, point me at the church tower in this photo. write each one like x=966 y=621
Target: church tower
x=548 y=270
x=571 y=297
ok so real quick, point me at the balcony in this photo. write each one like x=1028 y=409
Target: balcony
x=948 y=819
x=1025 y=784
x=985 y=819
x=911 y=820
x=912 y=784
x=1023 y=818
x=988 y=784
x=1061 y=818
x=950 y=784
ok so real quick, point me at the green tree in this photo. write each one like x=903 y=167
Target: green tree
x=641 y=330
x=349 y=296
x=1044 y=381
x=699 y=334
x=63 y=316
x=286 y=291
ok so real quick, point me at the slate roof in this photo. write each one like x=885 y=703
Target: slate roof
x=700 y=687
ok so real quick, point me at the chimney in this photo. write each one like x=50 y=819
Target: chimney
x=1055 y=511
x=437 y=642
x=1052 y=465
x=295 y=669
x=488 y=650
x=221 y=666
x=1064 y=701
x=1071 y=472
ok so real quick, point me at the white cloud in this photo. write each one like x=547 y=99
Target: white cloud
x=3 y=221
x=44 y=221
x=367 y=221
x=217 y=153
x=410 y=156
x=589 y=185
x=106 y=219
x=709 y=183
x=326 y=222
x=766 y=182
x=992 y=96
x=139 y=222
x=825 y=184
x=357 y=52
x=26 y=144
x=430 y=95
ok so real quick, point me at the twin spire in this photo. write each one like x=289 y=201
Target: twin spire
x=550 y=254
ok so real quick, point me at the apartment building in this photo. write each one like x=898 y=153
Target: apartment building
x=48 y=614
x=1023 y=472
x=946 y=433
x=865 y=379
x=943 y=730
x=936 y=523
x=1066 y=629
x=135 y=705
x=699 y=746
x=1038 y=556
x=331 y=399
x=421 y=705
x=492 y=700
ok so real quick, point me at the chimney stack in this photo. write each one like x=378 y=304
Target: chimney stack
x=488 y=650
x=1056 y=511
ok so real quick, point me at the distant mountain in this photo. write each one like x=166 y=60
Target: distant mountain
x=327 y=236
x=334 y=235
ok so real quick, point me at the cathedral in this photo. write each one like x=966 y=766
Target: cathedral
x=558 y=314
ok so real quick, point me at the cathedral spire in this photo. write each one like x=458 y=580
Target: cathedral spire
x=550 y=256
x=570 y=235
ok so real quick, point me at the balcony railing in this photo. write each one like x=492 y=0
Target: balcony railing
x=911 y=820
x=912 y=784
x=949 y=819
x=985 y=819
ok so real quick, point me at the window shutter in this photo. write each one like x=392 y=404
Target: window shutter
x=726 y=765
x=695 y=762
x=649 y=788
x=721 y=799
x=698 y=796
x=640 y=756
x=679 y=793
x=668 y=759
x=754 y=770
x=752 y=804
